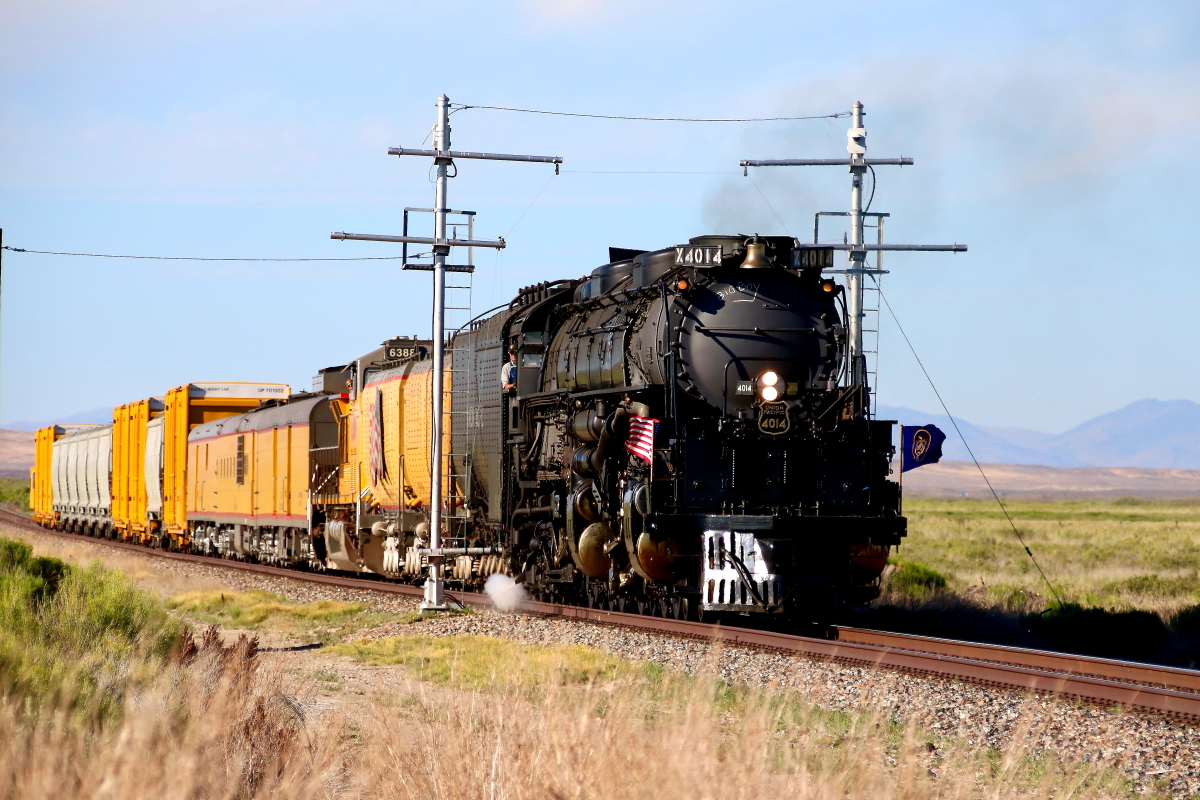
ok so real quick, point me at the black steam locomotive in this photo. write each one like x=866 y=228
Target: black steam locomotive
x=767 y=490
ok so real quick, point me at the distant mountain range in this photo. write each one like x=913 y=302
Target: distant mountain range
x=98 y=416
x=1155 y=434
x=1159 y=434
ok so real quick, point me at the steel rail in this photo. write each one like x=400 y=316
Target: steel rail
x=1111 y=669
x=1148 y=687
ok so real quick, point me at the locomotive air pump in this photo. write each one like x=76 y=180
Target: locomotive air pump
x=856 y=147
x=443 y=157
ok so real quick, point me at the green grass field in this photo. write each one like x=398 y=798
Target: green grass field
x=1124 y=555
x=1125 y=576
x=14 y=493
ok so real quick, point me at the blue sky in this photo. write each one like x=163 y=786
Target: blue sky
x=1054 y=138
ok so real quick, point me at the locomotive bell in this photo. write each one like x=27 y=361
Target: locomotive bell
x=756 y=256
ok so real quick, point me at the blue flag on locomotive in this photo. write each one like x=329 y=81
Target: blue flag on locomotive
x=920 y=445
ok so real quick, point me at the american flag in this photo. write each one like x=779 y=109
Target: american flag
x=641 y=437
x=377 y=462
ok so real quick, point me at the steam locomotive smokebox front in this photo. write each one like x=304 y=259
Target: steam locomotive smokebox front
x=743 y=323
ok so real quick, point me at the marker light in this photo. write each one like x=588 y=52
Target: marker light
x=769 y=393
x=768 y=378
x=683 y=284
x=828 y=285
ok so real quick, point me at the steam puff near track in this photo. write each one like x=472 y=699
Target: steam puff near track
x=506 y=593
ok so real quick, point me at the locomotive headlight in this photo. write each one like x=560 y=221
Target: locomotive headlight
x=768 y=386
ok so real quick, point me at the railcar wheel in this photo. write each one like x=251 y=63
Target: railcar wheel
x=680 y=607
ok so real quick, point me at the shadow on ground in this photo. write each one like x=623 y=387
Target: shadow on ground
x=1130 y=635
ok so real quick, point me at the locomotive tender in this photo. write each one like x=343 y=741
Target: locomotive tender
x=768 y=490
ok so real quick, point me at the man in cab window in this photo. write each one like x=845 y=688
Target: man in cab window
x=508 y=372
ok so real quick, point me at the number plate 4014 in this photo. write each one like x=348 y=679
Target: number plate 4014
x=773 y=418
x=690 y=255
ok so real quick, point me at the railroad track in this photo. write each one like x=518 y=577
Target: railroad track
x=1169 y=691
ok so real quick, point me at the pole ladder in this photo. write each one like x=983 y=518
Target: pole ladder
x=870 y=317
x=459 y=391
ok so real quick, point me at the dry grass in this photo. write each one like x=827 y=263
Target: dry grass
x=478 y=718
x=219 y=725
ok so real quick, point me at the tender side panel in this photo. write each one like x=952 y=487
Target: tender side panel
x=483 y=405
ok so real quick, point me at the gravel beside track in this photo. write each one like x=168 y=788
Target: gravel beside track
x=1155 y=752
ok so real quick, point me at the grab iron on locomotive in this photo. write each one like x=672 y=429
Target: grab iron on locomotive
x=755 y=480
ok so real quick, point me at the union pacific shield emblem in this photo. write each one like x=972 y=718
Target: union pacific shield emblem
x=773 y=418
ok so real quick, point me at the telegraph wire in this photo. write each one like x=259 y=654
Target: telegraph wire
x=463 y=107
x=195 y=258
x=526 y=211
x=970 y=452
x=773 y=211
x=647 y=172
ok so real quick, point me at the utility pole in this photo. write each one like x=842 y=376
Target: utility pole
x=856 y=148
x=441 y=143
x=443 y=159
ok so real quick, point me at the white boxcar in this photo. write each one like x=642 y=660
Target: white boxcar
x=80 y=468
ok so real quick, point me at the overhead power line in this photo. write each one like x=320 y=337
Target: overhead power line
x=463 y=107
x=970 y=452
x=194 y=258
